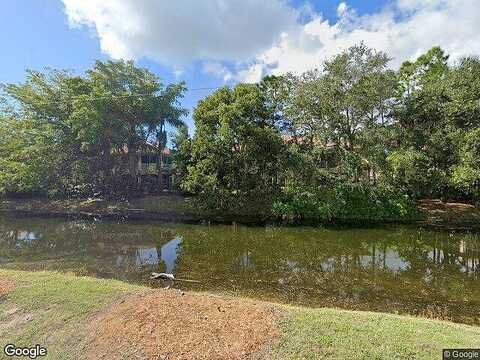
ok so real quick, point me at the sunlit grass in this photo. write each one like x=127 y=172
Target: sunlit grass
x=340 y=334
x=53 y=310
x=50 y=309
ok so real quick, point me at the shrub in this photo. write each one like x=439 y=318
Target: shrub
x=343 y=203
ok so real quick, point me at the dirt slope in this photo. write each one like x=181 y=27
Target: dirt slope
x=168 y=324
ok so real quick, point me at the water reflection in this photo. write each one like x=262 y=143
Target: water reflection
x=169 y=253
x=397 y=269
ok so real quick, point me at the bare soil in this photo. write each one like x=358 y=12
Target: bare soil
x=6 y=286
x=169 y=324
x=450 y=214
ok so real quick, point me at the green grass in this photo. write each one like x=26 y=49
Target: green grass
x=49 y=309
x=339 y=334
x=53 y=310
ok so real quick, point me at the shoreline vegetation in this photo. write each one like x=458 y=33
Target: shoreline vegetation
x=352 y=141
x=87 y=318
x=431 y=213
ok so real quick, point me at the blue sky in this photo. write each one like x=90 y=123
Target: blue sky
x=71 y=34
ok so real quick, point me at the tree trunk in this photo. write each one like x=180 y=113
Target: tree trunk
x=132 y=156
x=161 y=143
x=160 y=168
x=133 y=163
x=107 y=165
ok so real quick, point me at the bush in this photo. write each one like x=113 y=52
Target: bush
x=343 y=203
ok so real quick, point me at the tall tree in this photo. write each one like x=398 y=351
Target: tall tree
x=130 y=95
x=182 y=148
x=420 y=96
x=426 y=140
x=463 y=113
x=142 y=104
x=45 y=103
x=167 y=112
x=236 y=151
x=343 y=103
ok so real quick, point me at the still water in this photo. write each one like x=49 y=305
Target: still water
x=392 y=269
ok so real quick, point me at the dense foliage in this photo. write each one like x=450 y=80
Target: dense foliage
x=68 y=135
x=352 y=139
x=236 y=154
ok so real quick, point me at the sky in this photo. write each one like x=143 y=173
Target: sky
x=212 y=43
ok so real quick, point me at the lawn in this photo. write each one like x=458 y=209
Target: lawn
x=339 y=334
x=57 y=311
x=50 y=309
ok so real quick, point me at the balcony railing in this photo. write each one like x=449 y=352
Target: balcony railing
x=151 y=168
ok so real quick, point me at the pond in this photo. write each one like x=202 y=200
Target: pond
x=395 y=269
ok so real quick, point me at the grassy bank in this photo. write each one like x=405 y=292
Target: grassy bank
x=51 y=309
x=337 y=334
x=57 y=311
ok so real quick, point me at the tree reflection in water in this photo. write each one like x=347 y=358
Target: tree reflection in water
x=394 y=269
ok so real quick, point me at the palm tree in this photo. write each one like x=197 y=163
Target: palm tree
x=168 y=112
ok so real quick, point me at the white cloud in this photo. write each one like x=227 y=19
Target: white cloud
x=178 y=72
x=247 y=39
x=342 y=8
x=182 y=31
x=217 y=69
x=405 y=29
x=252 y=74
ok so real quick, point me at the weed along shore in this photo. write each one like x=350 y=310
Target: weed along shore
x=431 y=213
x=85 y=318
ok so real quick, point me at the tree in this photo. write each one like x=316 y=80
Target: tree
x=85 y=122
x=134 y=102
x=344 y=104
x=236 y=151
x=435 y=105
x=275 y=90
x=466 y=175
x=127 y=94
x=420 y=97
x=44 y=105
x=182 y=148
x=27 y=160
x=463 y=94
x=167 y=112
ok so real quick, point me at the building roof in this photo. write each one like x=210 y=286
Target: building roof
x=290 y=139
x=144 y=148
